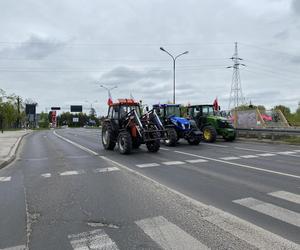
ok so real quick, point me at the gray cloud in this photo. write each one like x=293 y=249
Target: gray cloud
x=296 y=6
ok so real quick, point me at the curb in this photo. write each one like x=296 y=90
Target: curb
x=13 y=152
x=266 y=141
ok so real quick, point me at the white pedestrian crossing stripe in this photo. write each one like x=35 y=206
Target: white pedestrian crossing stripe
x=169 y=163
x=20 y=247
x=147 y=165
x=4 y=179
x=103 y=170
x=266 y=154
x=297 y=150
x=97 y=240
x=286 y=153
x=249 y=156
x=46 y=175
x=274 y=211
x=168 y=235
x=229 y=158
x=286 y=196
x=71 y=173
x=196 y=160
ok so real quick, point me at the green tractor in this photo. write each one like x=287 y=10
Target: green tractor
x=211 y=123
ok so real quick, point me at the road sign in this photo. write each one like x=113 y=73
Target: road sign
x=75 y=119
x=55 y=108
x=76 y=108
x=30 y=109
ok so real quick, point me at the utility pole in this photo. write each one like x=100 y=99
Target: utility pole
x=236 y=93
x=18 y=119
x=174 y=63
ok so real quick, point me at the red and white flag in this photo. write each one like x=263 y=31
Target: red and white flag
x=109 y=101
x=216 y=104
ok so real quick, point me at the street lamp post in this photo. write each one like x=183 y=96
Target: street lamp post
x=108 y=89
x=174 y=63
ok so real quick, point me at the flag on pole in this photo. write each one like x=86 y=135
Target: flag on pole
x=109 y=101
x=216 y=104
x=131 y=96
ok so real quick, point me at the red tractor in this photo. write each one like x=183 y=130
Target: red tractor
x=128 y=128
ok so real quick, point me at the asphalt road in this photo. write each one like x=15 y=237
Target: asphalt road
x=65 y=191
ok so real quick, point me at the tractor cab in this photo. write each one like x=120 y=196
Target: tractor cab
x=211 y=122
x=176 y=126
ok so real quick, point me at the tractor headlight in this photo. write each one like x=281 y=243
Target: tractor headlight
x=183 y=126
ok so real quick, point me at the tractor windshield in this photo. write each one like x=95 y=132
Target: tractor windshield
x=208 y=110
x=172 y=110
x=126 y=109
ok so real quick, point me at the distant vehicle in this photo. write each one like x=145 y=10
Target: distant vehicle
x=210 y=123
x=176 y=126
x=126 y=127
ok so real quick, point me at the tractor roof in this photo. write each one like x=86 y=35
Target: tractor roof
x=127 y=102
x=166 y=105
x=199 y=105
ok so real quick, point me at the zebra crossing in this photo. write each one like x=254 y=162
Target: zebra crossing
x=170 y=236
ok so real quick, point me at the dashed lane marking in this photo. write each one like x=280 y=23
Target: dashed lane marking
x=239 y=165
x=166 y=149
x=4 y=179
x=46 y=175
x=297 y=150
x=229 y=158
x=269 y=209
x=169 y=163
x=266 y=154
x=195 y=160
x=148 y=165
x=73 y=172
x=103 y=170
x=168 y=235
x=96 y=239
x=20 y=247
x=214 y=145
x=249 y=156
x=286 y=153
x=286 y=196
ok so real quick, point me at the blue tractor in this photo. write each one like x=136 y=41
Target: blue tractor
x=177 y=127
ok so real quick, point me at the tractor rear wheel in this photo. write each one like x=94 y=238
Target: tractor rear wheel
x=194 y=140
x=209 y=134
x=125 y=142
x=153 y=146
x=171 y=139
x=108 y=138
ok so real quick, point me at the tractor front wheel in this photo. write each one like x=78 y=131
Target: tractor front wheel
x=194 y=140
x=171 y=139
x=125 y=142
x=108 y=138
x=209 y=134
x=153 y=146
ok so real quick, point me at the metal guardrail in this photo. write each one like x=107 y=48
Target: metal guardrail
x=273 y=133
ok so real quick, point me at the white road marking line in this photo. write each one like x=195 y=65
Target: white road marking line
x=286 y=152
x=195 y=160
x=37 y=159
x=274 y=211
x=240 y=165
x=248 y=156
x=169 y=163
x=229 y=158
x=71 y=173
x=76 y=144
x=148 y=165
x=250 y=233
x=166 y=149
x=3 y=179
x=286 y=196
x=46 y=175
x=168 y=235
x=214 y=145
x=297 y=150
x=20 y=247
x=254 y=150
x=96 y=239
x=266 y=154
x=77 y=156
x=103 y=170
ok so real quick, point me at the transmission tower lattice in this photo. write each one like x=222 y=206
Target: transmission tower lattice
x=236 y=93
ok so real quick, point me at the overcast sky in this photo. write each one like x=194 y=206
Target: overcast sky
x=58 y=52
